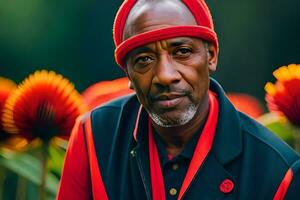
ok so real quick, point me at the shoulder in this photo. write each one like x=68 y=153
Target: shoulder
x=113 y=118
x=111 y=127
x=269 y=159
x=266 y=143
x=118 y=103
x=114 y=108
x=110 y=110
x=293 y=191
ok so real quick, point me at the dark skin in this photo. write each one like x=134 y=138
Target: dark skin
x=170 y=75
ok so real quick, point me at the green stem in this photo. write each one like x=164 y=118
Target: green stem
x=2 y=182
x=44 y=159
x=21 y=189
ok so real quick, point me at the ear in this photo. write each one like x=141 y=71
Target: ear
x=130 y=85
x=212 y=57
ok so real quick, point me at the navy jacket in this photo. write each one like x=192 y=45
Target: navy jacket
x=114 y=163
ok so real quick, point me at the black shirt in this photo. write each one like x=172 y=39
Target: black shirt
x=175 y=168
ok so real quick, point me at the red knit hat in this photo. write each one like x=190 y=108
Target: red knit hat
x=204 y=29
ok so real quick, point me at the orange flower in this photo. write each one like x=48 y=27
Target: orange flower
x=283 y=97
x=44 y=105
x=246 y=104
x=105 y=91
x=6 y=87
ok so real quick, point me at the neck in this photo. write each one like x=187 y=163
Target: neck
x=177 y=137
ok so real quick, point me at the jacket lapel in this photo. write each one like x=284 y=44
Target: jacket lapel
x=228 y=139
x=219 y=167
x=208 y=182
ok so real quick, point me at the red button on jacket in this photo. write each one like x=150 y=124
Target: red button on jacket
x=226 y=186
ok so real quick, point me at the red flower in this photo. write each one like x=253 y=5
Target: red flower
x=105 y=91
x=283 y=97
x=6 y=87
x=45 y=105
x=246 y=104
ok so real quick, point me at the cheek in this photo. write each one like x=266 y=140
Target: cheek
x=197 y=76
x=142 y=86
x=202 y=82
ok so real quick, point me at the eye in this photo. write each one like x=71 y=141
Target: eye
x=183 y=52
x=142 y=63
x=143 y=60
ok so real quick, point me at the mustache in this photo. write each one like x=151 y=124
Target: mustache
x=169 y=93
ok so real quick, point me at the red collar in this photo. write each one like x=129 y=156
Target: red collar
x=202 y=149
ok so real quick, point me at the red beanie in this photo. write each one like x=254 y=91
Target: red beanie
x=204 y=29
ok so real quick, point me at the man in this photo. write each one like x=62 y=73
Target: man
x=178 y=137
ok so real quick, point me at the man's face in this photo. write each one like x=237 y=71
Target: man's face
x=170 y=77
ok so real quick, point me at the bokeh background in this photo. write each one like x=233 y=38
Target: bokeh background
x=74 y=38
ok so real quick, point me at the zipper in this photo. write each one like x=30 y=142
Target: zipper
x=142 y=175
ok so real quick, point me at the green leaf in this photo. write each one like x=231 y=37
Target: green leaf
x=56 y=159
x=282 y=129
x=28 y=167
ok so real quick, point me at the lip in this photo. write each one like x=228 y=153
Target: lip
x=168 y=100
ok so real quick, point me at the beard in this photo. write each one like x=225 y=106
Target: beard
x=183 y=118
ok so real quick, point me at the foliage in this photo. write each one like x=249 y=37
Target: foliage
x=278 y=126
x=25 y=169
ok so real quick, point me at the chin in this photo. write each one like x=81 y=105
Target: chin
x=174 y=119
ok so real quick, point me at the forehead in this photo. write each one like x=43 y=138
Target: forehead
x=154 y=14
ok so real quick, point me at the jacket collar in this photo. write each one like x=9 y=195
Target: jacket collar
x=228 y=139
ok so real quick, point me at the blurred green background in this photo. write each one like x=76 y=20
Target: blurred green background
x=74 y=38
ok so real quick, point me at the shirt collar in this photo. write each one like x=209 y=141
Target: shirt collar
x=187 y=152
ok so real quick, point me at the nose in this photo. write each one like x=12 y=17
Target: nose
x=166 y=72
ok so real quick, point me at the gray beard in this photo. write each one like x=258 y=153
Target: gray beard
x=184 y=117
